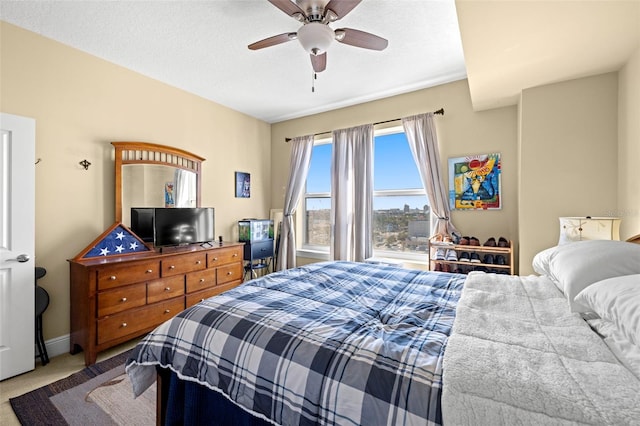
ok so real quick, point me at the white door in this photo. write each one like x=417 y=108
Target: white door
x=17 y=241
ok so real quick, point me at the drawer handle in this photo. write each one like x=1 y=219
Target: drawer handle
x=202 y=300
x=229 y=273
x=124 y=299
x=235 y=254
x=149 y=271
x=112 y=277
x=166 y=311
x=172 y=267
x=167 y=289
x=215 y=259
x=198 y=262
x=201 y=280
x=124 y=324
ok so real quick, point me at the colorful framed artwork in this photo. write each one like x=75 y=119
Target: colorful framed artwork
x=243 y=185
x=474 y=182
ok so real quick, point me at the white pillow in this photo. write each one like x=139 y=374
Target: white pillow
x=541 y=263
x=577 y=265
x=616 y=300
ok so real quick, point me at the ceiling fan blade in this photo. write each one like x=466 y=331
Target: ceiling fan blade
x=272 y=41
x=319 y=62
x=361 y=39
x=290 y=8
x=341 y=7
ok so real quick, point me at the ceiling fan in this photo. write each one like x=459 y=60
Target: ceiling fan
x=315 y=35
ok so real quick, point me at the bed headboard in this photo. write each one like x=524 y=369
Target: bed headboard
x=634 y=239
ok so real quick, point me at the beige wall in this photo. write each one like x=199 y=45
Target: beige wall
x=568 y=158
x=629 y=147
x=81 y=104
x=461 y=131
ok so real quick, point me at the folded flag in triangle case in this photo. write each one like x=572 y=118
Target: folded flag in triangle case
x=118 y=241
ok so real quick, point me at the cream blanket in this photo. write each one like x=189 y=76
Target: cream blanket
x=518 y=356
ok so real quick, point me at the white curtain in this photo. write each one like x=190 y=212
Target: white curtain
x=301 y=149
x=423 y=141
x=352 y=193
x=184 y=192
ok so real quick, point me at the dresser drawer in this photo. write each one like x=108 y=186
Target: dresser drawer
x=223 y=256
x=120 y=299
x=227 y=273
x=199 y=296
x=129 y=273
x=201 y=280
x=176 y=265
x=136 y=320
x=165 y=288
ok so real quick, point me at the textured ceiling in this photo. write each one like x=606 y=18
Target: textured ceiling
x=201 y=47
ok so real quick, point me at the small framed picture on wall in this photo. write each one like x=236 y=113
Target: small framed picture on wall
x=243 y=185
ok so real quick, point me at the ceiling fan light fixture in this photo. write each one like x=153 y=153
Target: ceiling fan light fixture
x=315 y=37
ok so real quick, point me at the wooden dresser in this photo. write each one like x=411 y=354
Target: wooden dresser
x=115 y=299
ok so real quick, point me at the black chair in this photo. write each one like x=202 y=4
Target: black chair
x=42 y=302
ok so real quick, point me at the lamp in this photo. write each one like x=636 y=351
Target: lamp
x=588 y=228
x=315 y=37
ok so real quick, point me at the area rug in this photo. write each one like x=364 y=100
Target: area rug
x=98 y=395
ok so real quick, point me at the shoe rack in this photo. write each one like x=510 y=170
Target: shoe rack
x=466 y=257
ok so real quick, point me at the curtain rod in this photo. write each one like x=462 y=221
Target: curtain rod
x=440 y=112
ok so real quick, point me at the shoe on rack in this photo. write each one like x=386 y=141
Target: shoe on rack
x=440 y=254
x=446 y=267
x=488 y=259
x=464 y=241
x=481 y=269
x=464 y=257
x=491 y=242
x=503 y=242
x=500 y=260
x=475 y=258
x=473 y=241
x=451 y=256
x=438 y=267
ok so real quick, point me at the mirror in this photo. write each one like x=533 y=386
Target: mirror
x=150 y=185
x=151 y=175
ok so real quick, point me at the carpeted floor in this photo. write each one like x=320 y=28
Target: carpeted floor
x=99 y=394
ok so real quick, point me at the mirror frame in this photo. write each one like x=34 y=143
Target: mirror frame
x=151 y=153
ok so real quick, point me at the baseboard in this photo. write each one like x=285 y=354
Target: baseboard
x=57 y=345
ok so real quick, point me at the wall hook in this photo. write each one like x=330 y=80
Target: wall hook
x=84 y=163
x=38 y=160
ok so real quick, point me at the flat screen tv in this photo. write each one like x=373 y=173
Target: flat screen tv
x=183 y=225
x=142 y=223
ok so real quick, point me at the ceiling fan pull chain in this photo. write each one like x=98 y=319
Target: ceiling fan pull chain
x=313 y=82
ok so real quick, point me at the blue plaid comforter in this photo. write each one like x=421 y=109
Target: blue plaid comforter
x=336 y=343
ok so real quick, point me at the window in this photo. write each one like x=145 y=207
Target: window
x=317 y=199
x=401 y=214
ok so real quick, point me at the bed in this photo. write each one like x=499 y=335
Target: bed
x=354 y=343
